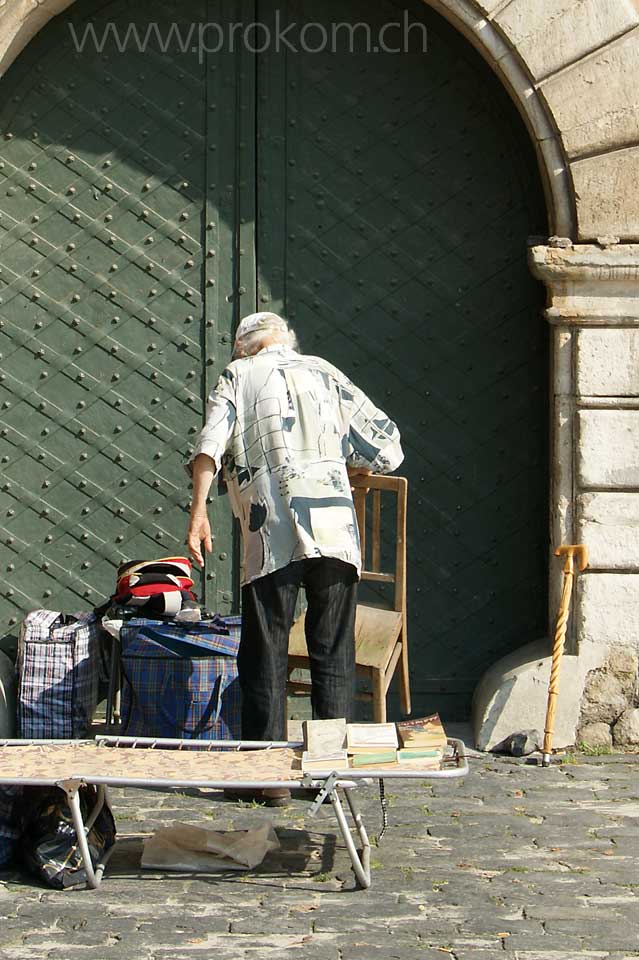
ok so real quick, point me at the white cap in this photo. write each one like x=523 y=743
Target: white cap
x=258 y=321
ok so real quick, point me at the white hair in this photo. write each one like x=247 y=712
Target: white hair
x=271 y=327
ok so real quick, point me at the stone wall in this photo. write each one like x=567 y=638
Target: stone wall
x=594 y=311
x=609 y=714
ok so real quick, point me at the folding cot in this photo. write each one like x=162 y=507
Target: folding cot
x=212 y=764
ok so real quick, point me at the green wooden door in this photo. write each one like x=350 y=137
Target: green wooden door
x=380 y=201
x=395 y=195
x=119 y=254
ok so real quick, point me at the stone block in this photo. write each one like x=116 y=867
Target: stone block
x=563 y=378
x=467 y=18
x=609 y=694
x=608 y=362
x=595 y=106
x=562 y=478
x=513 y=693
x=625 y=732
x=606 y=197
x=521 y=744
x=604 y=699
x=522 y=90
x=608 y=610
x=609 y=524
x=554 y=33
x=488 y=7
x=608 y=448
x=595 y=735
x=623 y=663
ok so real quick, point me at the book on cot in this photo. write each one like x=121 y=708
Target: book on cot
x=336 y=760
x=425 y=732
x=335 y=744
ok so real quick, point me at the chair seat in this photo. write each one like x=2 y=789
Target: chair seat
x=376 y=633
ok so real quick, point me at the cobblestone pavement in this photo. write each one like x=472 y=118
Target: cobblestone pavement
x=515 y=861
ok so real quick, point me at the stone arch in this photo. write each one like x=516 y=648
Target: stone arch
x=566 y=69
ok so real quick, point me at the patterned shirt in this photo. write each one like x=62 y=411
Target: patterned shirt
x=282 y=428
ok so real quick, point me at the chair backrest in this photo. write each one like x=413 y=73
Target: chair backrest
x=367 y=492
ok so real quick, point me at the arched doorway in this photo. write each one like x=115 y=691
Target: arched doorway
x=382 y=201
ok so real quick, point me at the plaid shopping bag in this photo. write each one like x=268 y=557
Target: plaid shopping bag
x=179 y=680
x=58 y=669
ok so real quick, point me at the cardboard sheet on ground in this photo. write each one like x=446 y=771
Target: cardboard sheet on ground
x=187 y=848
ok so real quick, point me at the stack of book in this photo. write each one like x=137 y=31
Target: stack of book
x=324 y=745
x=371 y=744
x=336 y=745
x=423 y=741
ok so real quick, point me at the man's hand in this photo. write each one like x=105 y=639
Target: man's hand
x=199 y=533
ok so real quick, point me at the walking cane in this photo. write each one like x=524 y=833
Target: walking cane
x=570 y=552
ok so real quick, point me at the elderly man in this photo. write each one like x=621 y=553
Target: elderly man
x=285 y=429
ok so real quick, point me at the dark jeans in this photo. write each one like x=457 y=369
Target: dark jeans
x=268 y=608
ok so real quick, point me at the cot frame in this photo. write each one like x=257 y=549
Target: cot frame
x=325 y=783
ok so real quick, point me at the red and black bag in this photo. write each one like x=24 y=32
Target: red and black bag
x=154 y=587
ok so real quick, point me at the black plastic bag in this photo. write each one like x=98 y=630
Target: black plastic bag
x=49 y=844
x=10 y=803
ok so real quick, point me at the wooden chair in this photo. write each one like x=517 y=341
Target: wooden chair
x=380 y=634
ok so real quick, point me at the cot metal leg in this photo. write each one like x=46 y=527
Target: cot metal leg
x=72 y=790
x=357 y=817
x=361 y=861
x=102 y=798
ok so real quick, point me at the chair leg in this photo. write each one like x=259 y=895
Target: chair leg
x=379 y=696
x=404 y=682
